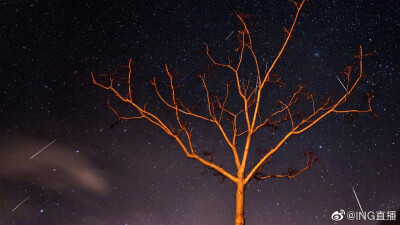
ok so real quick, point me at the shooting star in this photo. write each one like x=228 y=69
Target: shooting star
x=20 y=204
x=43 y=148
x=342 y=84
x=357 y=200
x=257 y=83
x=229 y=35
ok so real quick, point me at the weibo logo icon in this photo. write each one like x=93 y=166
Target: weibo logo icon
x=338 y=216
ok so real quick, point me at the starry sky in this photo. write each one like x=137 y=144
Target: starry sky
x=101 y=172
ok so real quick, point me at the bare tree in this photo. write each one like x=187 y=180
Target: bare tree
x=249 y=112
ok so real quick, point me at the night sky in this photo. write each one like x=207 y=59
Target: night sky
x=101 y=172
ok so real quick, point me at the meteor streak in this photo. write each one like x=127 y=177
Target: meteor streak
x=341 y=83
x=229 y=35
x=20 y=204
x=43 y=149
x=357 y=200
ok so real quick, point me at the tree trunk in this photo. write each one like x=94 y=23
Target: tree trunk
x=239 y=216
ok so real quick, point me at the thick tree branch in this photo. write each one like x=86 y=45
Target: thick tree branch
x=156 y=121
x=249 y=113
x=315 y=117
x=311 y=158
x=251 y=100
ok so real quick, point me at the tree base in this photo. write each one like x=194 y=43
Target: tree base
x=239 y=221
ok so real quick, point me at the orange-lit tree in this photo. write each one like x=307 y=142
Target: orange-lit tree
x=249 y=113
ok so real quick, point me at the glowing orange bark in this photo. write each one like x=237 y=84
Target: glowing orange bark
x=251 y=97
